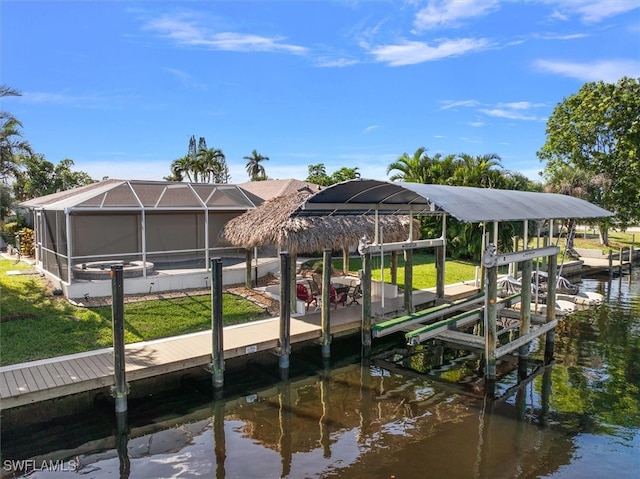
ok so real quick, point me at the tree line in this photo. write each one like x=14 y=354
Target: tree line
x=592 y=151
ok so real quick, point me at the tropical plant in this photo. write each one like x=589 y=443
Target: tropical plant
x=254 y=166
x=598 y=130
x=11 y=143
x=39 y=177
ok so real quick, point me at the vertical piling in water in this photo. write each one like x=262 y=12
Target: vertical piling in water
x=631 y=252
x=440 y=262
x=117 y=314
x=408 y=281
x=326 y=303
x=217 y=325
x=552 y=281
x=525 y=304
x=610 y=262
x=491 y=317
x=621 y=259
x=284 y=345
x=365 y=281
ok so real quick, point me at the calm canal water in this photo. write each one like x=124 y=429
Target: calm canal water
x=388 y=416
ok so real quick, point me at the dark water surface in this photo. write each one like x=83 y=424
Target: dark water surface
x=370 y=418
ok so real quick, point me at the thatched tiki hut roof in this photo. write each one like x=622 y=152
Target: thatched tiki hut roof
x=271 y=224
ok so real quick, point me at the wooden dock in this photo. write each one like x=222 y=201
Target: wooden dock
x=45 y=379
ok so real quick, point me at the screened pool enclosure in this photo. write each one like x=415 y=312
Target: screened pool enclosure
x=155 y=229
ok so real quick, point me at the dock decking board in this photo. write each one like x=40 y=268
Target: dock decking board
x=40 y=380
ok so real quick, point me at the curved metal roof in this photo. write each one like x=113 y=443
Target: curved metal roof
x=472 y=205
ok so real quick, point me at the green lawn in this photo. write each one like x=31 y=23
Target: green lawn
x=35 y=325
x=424 y=271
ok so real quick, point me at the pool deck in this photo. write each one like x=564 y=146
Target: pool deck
x=35 y=381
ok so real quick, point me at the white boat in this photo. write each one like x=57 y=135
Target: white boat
x=583 y=298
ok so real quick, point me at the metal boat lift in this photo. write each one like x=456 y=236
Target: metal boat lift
x=472 y=205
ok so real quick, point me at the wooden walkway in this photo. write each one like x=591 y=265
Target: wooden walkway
x=35 y=381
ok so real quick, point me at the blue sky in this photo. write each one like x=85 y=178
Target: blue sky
x=119 y=87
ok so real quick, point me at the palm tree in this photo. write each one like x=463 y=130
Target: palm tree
x=255 y=169
x=209 y=164
x=181 y=167
x=411 y=168
x=11 y=143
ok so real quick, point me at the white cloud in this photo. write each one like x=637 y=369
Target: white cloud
x=371 y=128
x=448 y=104
x=439 y=13
x=100 y=100
x=334 y=62
x=517 y=110
x=410 y=53
x=185 y=31
x=594 y=11
x=185 y=79
x=476 y=124
x=608 y=71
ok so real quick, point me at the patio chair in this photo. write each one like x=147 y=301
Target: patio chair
x=336 y=298
x=303 y=294
x=354 y=294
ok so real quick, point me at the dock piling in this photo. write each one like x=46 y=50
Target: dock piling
x=326 y=303
x=365 y=281
x=284 y=345
x=552 y=280
x=217 y=325
x=117 y=312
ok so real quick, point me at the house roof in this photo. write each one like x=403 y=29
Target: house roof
x=259 y=191
x=472 y=205
x=123 y=195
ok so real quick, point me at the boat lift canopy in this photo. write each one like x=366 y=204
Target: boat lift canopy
x=468 y=204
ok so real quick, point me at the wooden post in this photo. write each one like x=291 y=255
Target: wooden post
x=552 y=281
x=293 y=273
x=284 y=344
x=408 y=281
x=525 y=304
x=365 y=281
x=326 y=303
x=490 y=330
x=610 y=262
x=117 y=313
x=345 y=260
x=631 y=252
x=217 y=325
x=440 y=272
x=621 y=260
x=248 y=259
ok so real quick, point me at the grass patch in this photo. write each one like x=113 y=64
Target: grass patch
x=424 y=270
x=36 y=325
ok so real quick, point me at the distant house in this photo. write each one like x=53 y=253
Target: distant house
x=164 y=233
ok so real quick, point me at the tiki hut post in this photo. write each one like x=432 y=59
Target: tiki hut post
x=293 y=272
x=326 y=303
x=365 y=281
x=345 y=259
x=248 y=259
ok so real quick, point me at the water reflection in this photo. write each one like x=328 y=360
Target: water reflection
x=375 y=418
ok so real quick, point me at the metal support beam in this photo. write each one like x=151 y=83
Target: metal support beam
x=525 y=301
x=408 y=281
x=404 y=245
x=217 y=325
x=490 y=259
x=490 y=320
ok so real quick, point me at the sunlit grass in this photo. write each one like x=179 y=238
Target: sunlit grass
x=36 y=325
